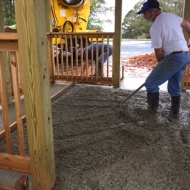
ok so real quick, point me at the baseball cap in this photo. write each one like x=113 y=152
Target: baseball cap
x=149 y=4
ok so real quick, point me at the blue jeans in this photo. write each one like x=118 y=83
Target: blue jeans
x=170 y=68
x=99 y=47
x=103 y=59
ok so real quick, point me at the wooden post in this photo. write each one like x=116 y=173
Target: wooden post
x=5 y=61
x=117 y=43
x=48 y=15
x=48 y=30
x=186 y=15
x=31 y=28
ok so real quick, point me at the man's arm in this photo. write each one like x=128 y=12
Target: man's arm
x=186 y=26
x=159 y=54
x=11 y=30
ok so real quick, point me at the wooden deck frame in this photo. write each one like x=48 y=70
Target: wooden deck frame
x=31 y=15
x=15 y=163
x=87 y=80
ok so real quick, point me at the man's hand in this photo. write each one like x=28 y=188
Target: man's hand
x=159 y=54
x=83 y=68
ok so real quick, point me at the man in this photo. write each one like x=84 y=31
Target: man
x=91 y=51
x=171 y=51
x=11 y=29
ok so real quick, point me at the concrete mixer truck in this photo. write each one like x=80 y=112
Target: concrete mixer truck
x=70 y=16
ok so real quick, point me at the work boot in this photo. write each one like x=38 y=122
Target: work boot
x=175 y=104
x=153 y=100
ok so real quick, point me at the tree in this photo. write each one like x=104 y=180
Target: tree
x=172 y=6
x=135 y=26
x=9 y=13
x=97 y=8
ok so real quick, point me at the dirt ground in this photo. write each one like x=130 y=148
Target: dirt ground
x=98 y=148
x=139 y=66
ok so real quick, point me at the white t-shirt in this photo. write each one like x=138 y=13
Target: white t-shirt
x=166 y=32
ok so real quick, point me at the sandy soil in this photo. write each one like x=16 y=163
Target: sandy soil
x=139 y=66
x=99 y=148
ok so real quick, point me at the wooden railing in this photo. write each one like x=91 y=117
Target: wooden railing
x=66 y=64
x=61 y=68
x=9 y=61
x=186 y=81
x=187 y=78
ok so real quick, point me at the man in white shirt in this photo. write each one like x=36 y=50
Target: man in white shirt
x=171 y=51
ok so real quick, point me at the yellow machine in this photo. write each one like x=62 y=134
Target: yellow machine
x=70 y=15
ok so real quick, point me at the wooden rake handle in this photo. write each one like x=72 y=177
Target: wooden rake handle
x=128 y=97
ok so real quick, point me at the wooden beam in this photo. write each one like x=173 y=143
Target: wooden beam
x=117 y=43
x=8 y=46
x=4 y=103
x=8 y=36
x=18 y=107
x=12 y=127
x=85 y=79
x=90 y=34
x=15 y=163
x=31 y=28
x=5 y=187
x=186 y=15
x=62 y=91
x=48 y=15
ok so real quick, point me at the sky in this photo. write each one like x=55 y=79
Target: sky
x=127 y=5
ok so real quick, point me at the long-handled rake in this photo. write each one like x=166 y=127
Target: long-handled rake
x=128 y=97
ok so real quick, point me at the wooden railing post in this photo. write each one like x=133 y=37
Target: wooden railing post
x=31 y=28
x=186 y=15
x=117 y=43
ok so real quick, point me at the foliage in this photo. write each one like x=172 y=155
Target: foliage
x=95 y=22
x=97 y=8
x=9 y=13
x=135 y=26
